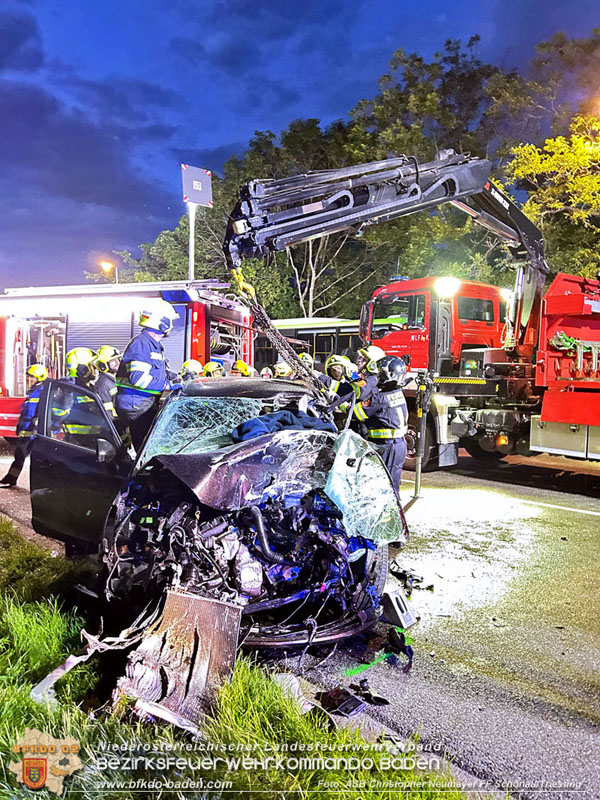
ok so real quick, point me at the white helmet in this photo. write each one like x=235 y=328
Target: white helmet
x=368 y=358
x=158 y=315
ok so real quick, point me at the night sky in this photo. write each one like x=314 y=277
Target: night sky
x=101 y=101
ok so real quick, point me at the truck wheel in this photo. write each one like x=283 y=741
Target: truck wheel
x=411 y=445
x=475 y=450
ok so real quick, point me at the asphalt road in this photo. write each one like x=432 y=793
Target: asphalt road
x=505 y=679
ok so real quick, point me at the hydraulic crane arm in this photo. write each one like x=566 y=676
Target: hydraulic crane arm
x=272 y=215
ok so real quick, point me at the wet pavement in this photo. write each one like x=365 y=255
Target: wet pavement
x=506 y=676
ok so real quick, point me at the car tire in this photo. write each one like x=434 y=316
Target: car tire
x=428 y=462
x=475 y=450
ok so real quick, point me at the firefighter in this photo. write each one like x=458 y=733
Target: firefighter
x=190 y=370
x=143 y=372
x=107 y=361
x=384 y=416
x=241 y=370
x=214 y=370
x=338 y=375
x=266 y=373
x=37 y=374
x=81 y=367
x=307 y=359
x=283 y=371
x=367 y=362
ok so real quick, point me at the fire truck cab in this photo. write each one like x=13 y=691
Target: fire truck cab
x=432 y=321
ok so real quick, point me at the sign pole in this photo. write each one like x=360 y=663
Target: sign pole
x=192 y=212
x=197 y=191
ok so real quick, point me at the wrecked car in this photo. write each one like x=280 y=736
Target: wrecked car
x=289 y=523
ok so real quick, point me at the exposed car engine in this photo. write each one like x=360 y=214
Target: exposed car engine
x=289 y=561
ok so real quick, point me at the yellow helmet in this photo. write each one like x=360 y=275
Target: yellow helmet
x=79 y=357
x=213 y=370
x=307 y=359
x=282 y=369
x=105 y=354
x=371 y=355
x=38 y=371
x=191 y=369
x=241 y=367
x=158 y=315
x=340 y=361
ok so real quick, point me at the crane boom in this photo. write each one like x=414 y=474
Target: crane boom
x=272 y=215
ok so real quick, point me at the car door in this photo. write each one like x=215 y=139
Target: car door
x=78 y=464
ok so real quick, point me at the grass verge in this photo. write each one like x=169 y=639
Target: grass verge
x=252 y=718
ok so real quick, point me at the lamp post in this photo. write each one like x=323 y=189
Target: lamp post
x=107 y=267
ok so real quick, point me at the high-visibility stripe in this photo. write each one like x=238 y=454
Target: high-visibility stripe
x=32 y=400
x=60 y=412
x=82 y=398
x=72 y=427
x=360 y=412
x=139 y=366
x=386 y=433
x=131 y=389
x=477 y=381
x=143 y=381
x=334 y=385
x=108 y=405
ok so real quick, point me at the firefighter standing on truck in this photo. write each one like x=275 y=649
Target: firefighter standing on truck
x=384 y=417
x=37 y=374
x=107 y=360
x=142 y=373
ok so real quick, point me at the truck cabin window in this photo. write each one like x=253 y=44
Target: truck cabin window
x=474 y=309
x=398 y=312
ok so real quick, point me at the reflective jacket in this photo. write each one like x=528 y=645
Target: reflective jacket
x=27 y=420
x=143 y=369
x=384 y=415
x=106 y=389
x=361 y=387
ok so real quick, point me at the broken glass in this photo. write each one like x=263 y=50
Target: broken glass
x=198 y=424
x=360 y=486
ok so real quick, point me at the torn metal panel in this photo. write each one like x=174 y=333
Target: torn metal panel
x=360 y=486
x=282 y=463
x=184 y=657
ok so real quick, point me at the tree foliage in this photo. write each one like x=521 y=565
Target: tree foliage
x=452 y=100
x=562 y=179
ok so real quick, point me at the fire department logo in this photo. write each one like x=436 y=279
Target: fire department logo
x=46 y=761
x=35 y=771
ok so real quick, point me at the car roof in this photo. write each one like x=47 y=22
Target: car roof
x=259 y=388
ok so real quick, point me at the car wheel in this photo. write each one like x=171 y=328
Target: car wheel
x=411 y=445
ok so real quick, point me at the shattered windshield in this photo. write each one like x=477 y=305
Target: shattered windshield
x=198 y=424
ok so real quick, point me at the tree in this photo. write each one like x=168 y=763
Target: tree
x=562 y=179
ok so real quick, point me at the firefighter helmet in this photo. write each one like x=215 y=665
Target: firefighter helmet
x=241 y=368
x=191 y=369
x=343 y=362
x=369 y=357
x=38 y=371
x=77 y=359
x=266 y=372
x=214 y=370
x=307 y=360
x=158 y=315
x=282 y=369
x=391 y=371
x=105 y=355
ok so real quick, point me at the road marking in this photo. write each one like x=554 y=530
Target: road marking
x=561 y=508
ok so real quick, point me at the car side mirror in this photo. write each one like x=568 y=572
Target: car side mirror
x=105 y=451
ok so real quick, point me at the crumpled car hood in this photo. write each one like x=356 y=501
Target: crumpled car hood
x=295 y=462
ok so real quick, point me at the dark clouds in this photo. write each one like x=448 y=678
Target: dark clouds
x=20 y=42
x=212 y=157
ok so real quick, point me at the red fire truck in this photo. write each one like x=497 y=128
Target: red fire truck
x=41 y=324
x=532 y=385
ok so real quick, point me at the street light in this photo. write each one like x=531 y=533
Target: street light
x=107 y=267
